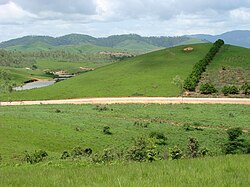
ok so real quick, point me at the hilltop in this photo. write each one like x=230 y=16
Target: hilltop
x=88 y=44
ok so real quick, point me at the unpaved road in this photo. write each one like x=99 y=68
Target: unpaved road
x=138 y=100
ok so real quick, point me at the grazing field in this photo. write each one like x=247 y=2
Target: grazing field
x=217 y=171
x=56 y=128
x=231 y=66
x=146 y=75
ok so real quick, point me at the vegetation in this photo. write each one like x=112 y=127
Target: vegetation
x=87 y=44
x=230 y=67
x=192 y=81
x=207 y=88
x=230 y=90
x=156 y=70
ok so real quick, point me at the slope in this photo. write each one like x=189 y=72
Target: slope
x=146 y=75
x=231 y=66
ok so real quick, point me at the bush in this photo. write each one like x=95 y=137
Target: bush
x=79 y=152
x=207 y=88
x=142 y=150
x=193 y=147
x=101 y=108
x=160 y=138
x=234 y=144
x=230 y=90
x=36 y=157
x=176 y=153
x=141 y=124
x=106 y=130
x=65 y=155
x=246 y=88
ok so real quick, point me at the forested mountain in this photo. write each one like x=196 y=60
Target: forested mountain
x=238 y=37
x=89 y=44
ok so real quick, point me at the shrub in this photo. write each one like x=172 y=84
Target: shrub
x=230 y=90
x=79 y=152
x=193 y=147
x=176 y=153
x=246 y=88
x=234 y=133
x=58 y=111
x=101 y=108
x=65 y=155
x=160 y=138
x=36 y=157
x=234 y=144
x=207 y=88
x=106 y=130
x=203 y=152
x=142 y=150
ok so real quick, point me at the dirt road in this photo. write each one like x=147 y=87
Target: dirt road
x=128 y=100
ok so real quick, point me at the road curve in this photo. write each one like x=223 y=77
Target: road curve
x=135 y=100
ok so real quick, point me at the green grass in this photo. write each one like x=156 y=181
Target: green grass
x=148 y=75
x=236 y=64
x=221 y=171
x=20 y=75
x=70 y=67
x=40 y=127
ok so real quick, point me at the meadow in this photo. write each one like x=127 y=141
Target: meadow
x=146 y=75
x=56 y=128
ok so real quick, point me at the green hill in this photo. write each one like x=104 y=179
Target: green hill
x=146 y=75
x=77 y=42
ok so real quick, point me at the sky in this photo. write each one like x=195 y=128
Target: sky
x=102 y=18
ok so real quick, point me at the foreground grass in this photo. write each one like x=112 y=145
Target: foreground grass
x=146 y=75
x=42 y=127
x=217 y=171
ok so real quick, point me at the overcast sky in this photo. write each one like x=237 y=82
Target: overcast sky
x=107 y=17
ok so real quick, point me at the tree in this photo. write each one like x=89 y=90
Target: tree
x=177 y=81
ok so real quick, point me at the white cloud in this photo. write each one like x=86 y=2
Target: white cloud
x=105 y=17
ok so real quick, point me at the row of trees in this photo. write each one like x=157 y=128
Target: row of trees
x=193 y=79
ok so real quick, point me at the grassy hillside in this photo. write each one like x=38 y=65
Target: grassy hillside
x=30 y=128
x=148 y=75
x=231 y=66
x=217 y=171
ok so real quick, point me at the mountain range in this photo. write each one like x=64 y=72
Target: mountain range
x=131 y=43
x=84 y=43
x=237 y=37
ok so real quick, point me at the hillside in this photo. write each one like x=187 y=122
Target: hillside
x=231 y=66
x=81 y=43
x=146 y=75
x=238 y=38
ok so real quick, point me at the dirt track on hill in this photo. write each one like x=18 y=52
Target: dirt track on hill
x=134 y=100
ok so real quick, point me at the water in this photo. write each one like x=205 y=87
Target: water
x=36 y=84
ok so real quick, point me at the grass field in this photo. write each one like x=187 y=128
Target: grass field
x=70 y=67
x=41 y=127
x=20 y=75
x=30 y=128
x=221 y=171
x=231 y=66
x=148 y=75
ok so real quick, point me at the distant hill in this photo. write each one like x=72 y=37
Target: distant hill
x=238 y=37
x=88 y=44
